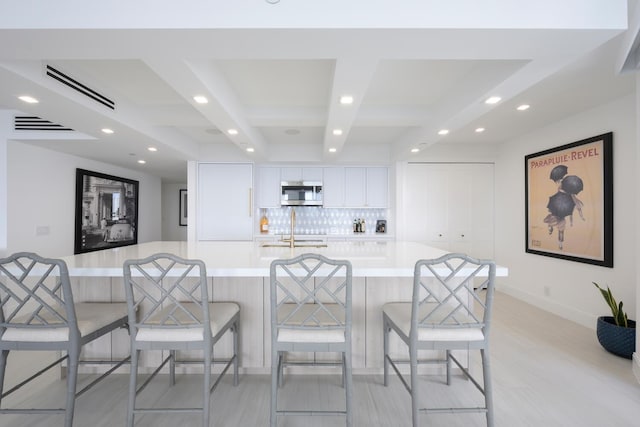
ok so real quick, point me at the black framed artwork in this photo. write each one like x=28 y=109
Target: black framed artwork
x=106 y=211
x=183 y=207
x=569 y=201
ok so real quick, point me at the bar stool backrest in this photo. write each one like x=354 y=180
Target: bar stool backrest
x=311 y=292
x=452 y=292
x=35 y=293
x=165 y=291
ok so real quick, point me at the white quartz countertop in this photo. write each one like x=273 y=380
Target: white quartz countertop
x=250 y=259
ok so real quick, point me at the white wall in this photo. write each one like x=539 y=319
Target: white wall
x=5 y=118
x=41 y=193
x=636 y=356
x=570 y=291
x=171 y=230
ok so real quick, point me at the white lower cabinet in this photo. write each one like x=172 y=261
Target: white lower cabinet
x=224 y=202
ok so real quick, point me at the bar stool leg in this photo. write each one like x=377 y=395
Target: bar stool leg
x=275 y=379
x=72 y=376
x=133 y=385
x=348 y=387
x=206 y=397
x=4 y=355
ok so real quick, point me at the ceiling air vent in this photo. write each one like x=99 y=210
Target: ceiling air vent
x=36 y=123
x=74 y=84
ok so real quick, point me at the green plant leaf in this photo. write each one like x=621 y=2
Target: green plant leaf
x=608 y=297
x=619 y=316
x=621 y=319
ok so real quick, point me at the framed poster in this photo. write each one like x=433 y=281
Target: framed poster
x=183 y=207
x=569 y=201
x=106 y=211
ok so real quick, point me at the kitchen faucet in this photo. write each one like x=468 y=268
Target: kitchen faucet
x=291 y=239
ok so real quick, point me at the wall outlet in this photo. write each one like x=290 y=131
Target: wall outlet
x=42 y=230
x=547 y=291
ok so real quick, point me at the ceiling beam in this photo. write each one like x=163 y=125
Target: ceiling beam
x=223 y=109
x=352 y=77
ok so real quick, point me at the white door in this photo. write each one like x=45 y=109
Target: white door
x=224 y=203
x=450 y=206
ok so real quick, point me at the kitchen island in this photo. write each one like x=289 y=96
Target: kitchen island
x=239 y=271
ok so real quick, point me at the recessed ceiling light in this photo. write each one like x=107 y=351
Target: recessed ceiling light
x=142 y=162
x=28 y=99
x=523 y=107
x=337 y=132
x=152 y=149
x=107 y=131
x=443 y=131
x=200 y=99
x=415 y=150
x=346 y=100
x=332 y=150
x=250 y=150
x=232 y=131
x=479 y=130
x=493 y=100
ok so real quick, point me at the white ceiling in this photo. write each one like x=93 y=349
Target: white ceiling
x=279 y=87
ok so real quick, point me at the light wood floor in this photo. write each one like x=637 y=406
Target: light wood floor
x=546 y=372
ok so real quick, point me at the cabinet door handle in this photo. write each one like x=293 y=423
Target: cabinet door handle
x=250 y=203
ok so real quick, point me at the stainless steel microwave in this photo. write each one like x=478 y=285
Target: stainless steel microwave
x=301 y=193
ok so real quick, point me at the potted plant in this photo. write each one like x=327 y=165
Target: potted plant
x=616 y=333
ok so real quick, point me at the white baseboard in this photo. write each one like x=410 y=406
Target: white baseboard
x=584 y=319
x=636 y=365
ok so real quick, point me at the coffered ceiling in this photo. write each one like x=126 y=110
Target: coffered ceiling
x=277 y=77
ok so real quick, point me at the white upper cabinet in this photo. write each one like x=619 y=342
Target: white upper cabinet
x=355 y=190
x=224 y=201
x=333 y=187
x=301 y=174
x=268 y=187
x=356 y=187
x=377 y=187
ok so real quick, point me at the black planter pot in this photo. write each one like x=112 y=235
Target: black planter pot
x=616 y=339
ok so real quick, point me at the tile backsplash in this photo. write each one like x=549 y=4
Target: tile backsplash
x=318 y=220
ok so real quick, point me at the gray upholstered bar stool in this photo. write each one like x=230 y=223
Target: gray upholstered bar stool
x=450 y=310
x=39 y=314
x=310 y=312
x=169 y=309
